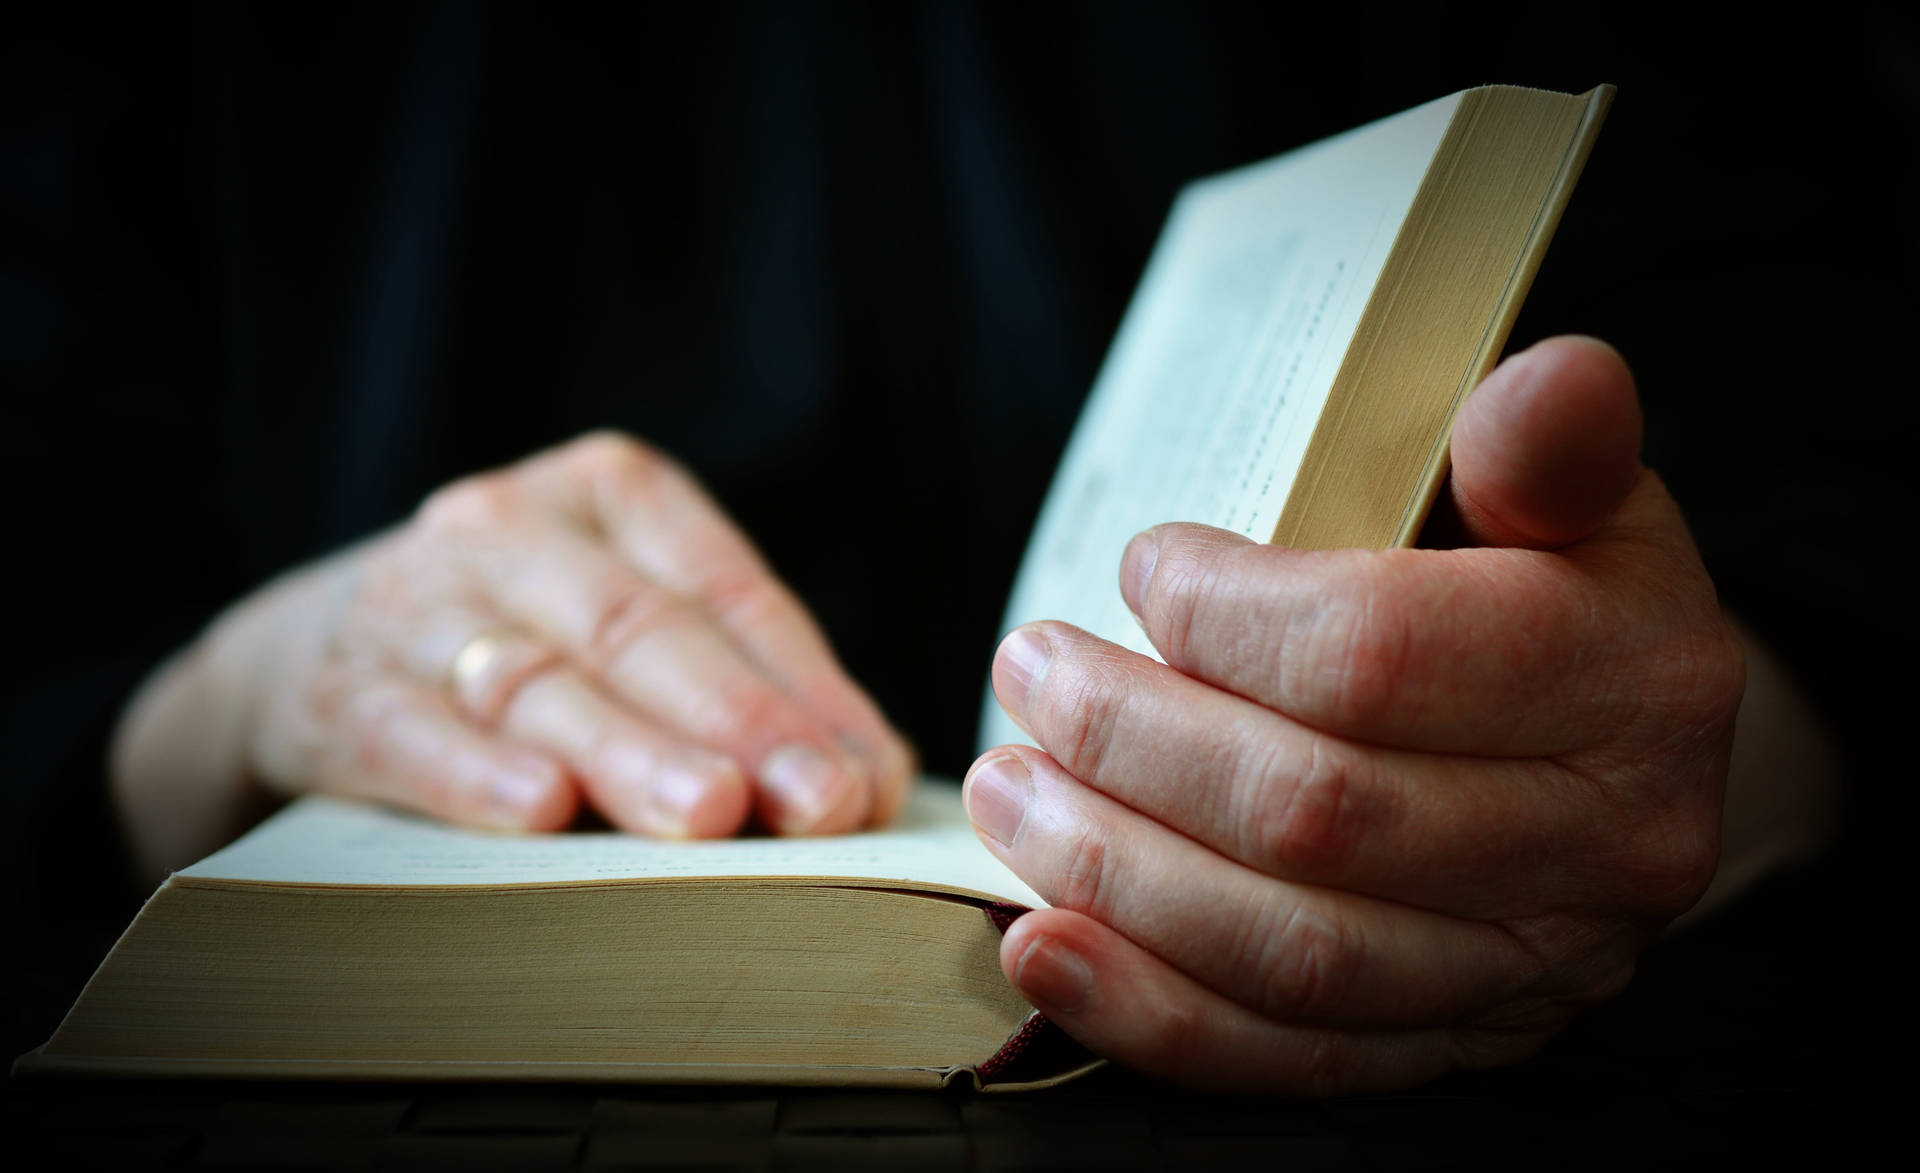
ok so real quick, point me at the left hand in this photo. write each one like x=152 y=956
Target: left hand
x=1381 y=814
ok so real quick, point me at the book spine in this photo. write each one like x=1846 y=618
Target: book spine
x=1038 y=1052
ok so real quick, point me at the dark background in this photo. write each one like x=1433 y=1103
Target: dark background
x=269 y=278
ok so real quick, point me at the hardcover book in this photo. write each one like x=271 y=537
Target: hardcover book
x=1289 y=368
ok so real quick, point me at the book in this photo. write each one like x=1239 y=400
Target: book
x=1289 y=368
x=1306 y=328
x=343 y=940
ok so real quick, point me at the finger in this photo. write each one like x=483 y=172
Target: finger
x=1123 y=1002
x=1286 y=951
x=662 y=656
x=1488 y=651
x=393 y=741
x=1547 y=447
x=1284 y=799
x=641 y=777
x=662 y=521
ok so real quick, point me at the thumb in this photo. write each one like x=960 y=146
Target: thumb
x=1546 y=448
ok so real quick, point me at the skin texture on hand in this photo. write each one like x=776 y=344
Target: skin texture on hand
x=1380 y=814
x=583 y=628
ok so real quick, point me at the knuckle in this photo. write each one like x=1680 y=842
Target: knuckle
x=1688 y=673
x=1078 y=704
x=747 y=708
x=1672 y=849
x=1671 y=864
x=1716 y=674
x=1177 y=1039
x=610 y=448
x=1181 y=589
x=1365 y=645
x=1578 y=971
x=1081 y=880
x=625 y=469
x=1313 y=957
x=1311 y=823
x=746 y=600
x=624 y=613
x=481 y=501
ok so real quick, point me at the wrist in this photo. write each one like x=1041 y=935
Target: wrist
x=190 y=763
x=176 y=760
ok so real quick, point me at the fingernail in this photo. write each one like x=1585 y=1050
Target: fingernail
x=804 y=782
x=661 y=790
x=1051 y=973
x=997 y=792
x=517 y=791
x=673 y=793
x=1136 y=568
x=1022 y=661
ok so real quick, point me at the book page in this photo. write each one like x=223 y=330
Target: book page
x=327 y=841
x=1210 y=393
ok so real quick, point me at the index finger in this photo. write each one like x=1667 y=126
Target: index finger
x=1497 y=652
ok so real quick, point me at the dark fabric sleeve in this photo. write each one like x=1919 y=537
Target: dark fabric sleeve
x=104 y=455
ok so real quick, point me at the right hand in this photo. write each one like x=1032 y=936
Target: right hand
x=585 y=626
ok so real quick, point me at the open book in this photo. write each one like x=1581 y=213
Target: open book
x=343 y=940
x=1289 y=368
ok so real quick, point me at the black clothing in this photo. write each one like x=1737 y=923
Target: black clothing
x=270 y=279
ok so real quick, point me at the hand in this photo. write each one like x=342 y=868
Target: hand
x=1380 y=814
x=585 y=626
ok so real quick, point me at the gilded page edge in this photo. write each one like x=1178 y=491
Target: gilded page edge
x=39 y=1063
x=1598 y=101
x=1341 y=396
x=1294 y=518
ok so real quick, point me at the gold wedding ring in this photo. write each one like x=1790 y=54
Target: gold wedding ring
x=490 y=667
